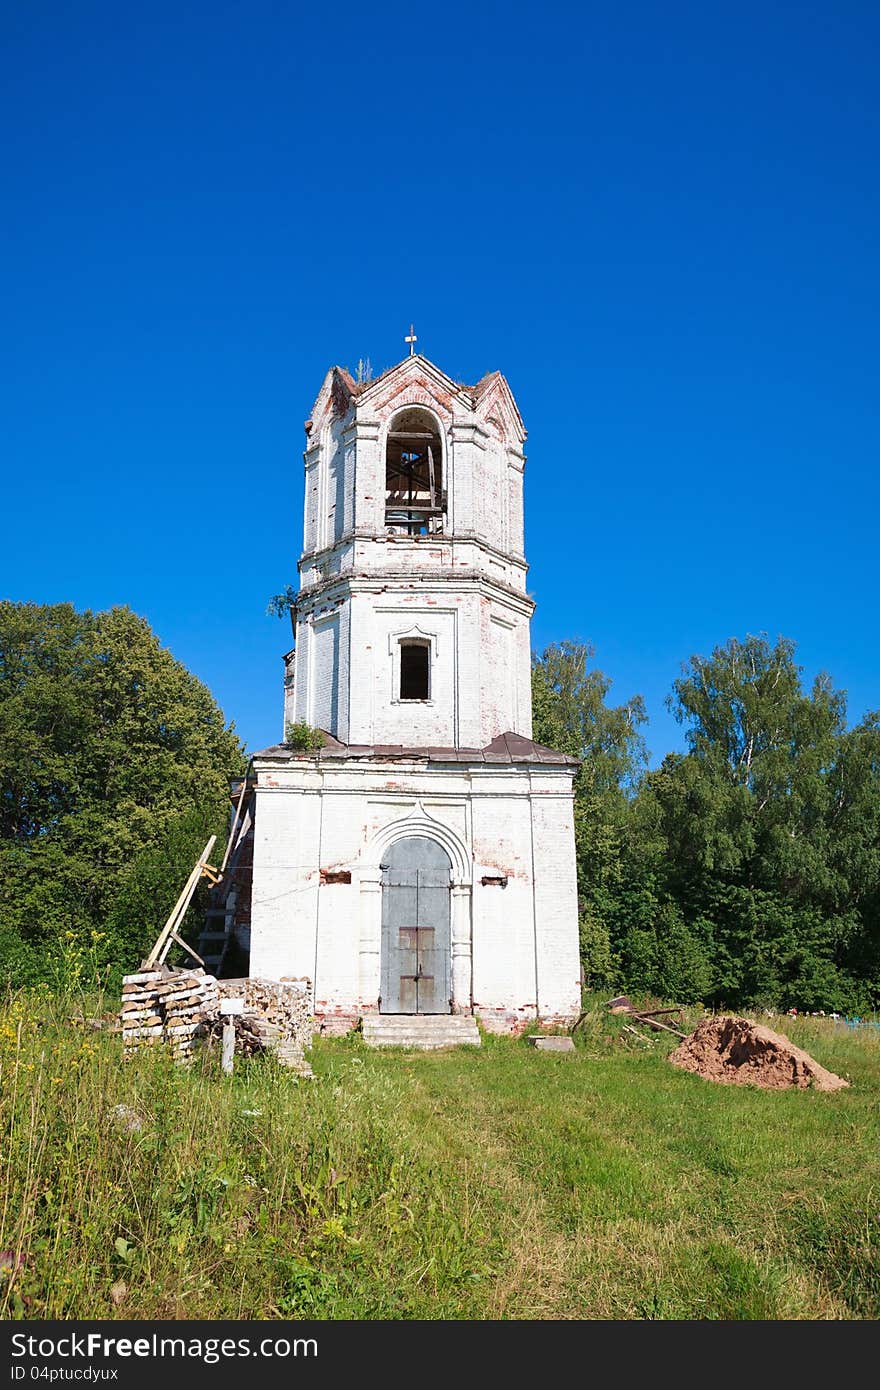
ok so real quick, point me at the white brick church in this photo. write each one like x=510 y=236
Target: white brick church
x=422 y=861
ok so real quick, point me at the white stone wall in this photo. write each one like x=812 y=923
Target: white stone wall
x=397 y=556
x=503 y=913
x=324 y=673
x=284 y=900
x=515 y=947
x=472 y=578
x=557 y=944
x=347 y=666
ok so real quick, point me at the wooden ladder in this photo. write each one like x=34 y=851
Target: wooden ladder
x=217 y=932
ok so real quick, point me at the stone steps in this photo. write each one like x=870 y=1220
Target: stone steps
x=420 y=1030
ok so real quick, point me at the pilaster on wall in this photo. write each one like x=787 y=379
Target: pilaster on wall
x=350 y=453
x=369 y=478
x=516 y=462
x=312 y=462
x=467 y=442
x=370 y=940
x=462 y=960
x=289 y=692
x=524 y=676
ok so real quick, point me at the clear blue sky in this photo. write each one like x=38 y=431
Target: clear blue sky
x=660 y=221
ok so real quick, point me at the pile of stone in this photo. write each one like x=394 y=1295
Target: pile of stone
x=171 y=1006
x=277 y=1018
x=178 y=1006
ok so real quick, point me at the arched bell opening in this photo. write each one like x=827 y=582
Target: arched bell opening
x=415 y=492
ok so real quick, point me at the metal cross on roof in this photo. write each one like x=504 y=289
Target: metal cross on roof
x=412 y=340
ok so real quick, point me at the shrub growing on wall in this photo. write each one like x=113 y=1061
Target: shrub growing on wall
x=304 y=737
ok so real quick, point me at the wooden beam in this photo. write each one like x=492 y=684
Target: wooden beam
x=636 y=1034
x=235 y=821
x=186 y=946
x=655 y=1023
x=160 y=950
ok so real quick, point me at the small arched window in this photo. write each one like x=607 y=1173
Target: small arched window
x=415 y=497
x=415 y=671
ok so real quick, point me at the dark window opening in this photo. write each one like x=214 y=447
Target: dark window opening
x=415 y=500
x=414 y=671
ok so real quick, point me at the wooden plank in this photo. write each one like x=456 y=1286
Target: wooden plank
x=411 y=508
x=235 y=821
x=227 y=1060
x=636 y=1034
x=160 y=950
x=655 y=1023
x=653 y=1013
x=189 y=950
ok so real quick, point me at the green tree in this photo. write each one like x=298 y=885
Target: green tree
x=570 y=713
x=744 y=871
x=105 y=742
x=770 y=827
x=151 y=885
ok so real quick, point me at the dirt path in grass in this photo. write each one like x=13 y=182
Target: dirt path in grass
x=534 y=1281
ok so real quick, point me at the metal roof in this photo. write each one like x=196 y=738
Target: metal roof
x=506 y=748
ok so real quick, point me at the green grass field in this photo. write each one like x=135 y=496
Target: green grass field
x=500 y=1183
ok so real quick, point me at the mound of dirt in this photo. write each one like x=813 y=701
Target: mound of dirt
x=736 y=1051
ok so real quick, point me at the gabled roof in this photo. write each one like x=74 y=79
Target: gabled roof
x=409 y=366
x=340 y=383
x=493 y=384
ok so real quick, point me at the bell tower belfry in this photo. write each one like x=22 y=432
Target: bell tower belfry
x=412 y=621
x=422 y=860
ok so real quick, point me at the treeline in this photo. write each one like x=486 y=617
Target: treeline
x=745 y=871
x=114 y=768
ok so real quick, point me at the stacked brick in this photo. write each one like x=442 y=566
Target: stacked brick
x=171 y=1006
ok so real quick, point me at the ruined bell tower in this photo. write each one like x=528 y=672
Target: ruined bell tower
x=419 y=864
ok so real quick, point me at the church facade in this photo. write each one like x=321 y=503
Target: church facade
x=422 y=860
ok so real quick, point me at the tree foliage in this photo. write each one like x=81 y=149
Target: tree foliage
x=106 y=744
x=746 y=870
x=570 y=714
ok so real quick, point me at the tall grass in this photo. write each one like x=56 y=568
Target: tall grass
x=498 y=1183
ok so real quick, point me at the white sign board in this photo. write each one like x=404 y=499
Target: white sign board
x=232 y=1006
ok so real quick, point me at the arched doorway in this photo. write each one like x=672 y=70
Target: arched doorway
x=416 y=944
